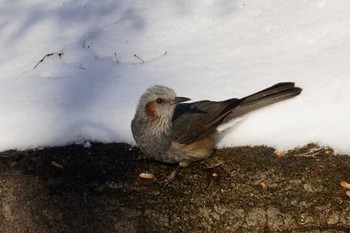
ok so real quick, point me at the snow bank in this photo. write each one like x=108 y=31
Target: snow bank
x=203 y=50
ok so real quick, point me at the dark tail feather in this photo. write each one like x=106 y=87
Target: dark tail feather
x=273 y=94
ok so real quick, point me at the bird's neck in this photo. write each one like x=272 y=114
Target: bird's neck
x=160 y=126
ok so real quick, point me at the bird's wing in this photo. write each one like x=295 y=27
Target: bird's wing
x=196 y=120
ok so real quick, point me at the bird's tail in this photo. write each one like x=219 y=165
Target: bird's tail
x=273 y=94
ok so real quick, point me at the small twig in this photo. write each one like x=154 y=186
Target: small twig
x=311 y=153
x=214 y=166
x=56 y=164
x=116 y=57
x=307 y=155
x=47 y=55
x=142 y=61
x=42 y=59
x=82 y=67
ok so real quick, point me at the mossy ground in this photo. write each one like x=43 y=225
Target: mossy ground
x=242 y=189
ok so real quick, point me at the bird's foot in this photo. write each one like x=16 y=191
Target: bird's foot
x=172 y=175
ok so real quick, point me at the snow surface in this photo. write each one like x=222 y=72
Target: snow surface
x=202 y=49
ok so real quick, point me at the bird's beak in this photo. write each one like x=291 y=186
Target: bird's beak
x=179 y=100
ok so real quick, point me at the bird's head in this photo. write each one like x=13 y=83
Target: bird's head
x=158 y=102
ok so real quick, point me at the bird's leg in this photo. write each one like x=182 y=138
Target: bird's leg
x=172 y=175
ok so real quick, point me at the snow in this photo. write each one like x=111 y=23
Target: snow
x=202 y=49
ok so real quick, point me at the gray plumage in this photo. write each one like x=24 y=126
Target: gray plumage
x=173 y=132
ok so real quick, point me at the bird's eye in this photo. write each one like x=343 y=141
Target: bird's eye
x=159 y=100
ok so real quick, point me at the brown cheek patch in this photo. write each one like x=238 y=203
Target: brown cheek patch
x=151 y=110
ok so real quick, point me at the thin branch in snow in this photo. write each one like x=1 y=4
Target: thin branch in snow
x=82 y=67
x=116 y=57
x=142 y=61
x=47 y=55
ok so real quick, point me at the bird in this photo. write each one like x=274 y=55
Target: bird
x=170 y=131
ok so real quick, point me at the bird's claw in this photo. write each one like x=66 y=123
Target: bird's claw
x=172 y=176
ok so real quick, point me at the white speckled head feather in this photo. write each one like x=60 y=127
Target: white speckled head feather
x=154 y=93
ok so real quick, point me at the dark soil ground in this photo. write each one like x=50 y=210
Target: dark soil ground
x=243 y=189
